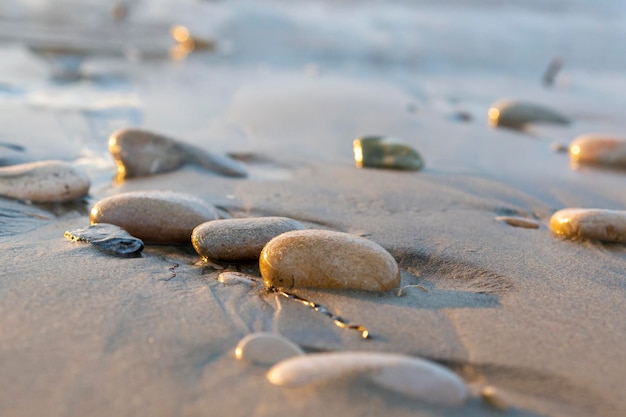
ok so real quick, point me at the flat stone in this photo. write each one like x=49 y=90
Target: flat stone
x=236 y=240
x=44 y=182
x=519 y=222
x=327 y=259
x=592 y=224
x=517 y=115
x=595 y=149
x=155 y=216
x=109 y=238
x=140 y=153
x=266 y=348
x=385 y=152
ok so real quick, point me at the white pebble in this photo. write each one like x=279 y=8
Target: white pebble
x=599 y=149
x=266 y=348
x=43 y=182
x=593 y=224
x=414 y=377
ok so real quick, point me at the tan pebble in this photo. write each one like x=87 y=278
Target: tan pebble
x=414 y=377
x=599 y=149
x=236 y=240
x=516 y=115
x=266 y=348
x=141 y=153
x=43 y=182
x=326 y=259
x=518 y=222
x=154 y=216
x=491 y=396
x=593 y=224
x=235 y=278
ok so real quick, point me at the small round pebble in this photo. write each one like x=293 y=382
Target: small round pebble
x=516 y=114
x=592 y=224
x=327 y=259
x=599 y=149
x=44 y=182
x=155 y=216
x=237 y=240
x=385 y=152
x=266 y=348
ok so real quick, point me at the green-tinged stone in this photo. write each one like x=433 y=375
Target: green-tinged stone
x=109 y=238
x=387 y=153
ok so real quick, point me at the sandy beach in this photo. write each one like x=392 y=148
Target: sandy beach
x=540 y=318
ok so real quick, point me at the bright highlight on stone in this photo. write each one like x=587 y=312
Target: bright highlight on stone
x=326 y=259
x=599 y=149
x=266 y=348
x=592 y=224
x=238 y=240
x=414 y=377
x=517 y=115
x=384 y=152
x=154 y=216
x=43 y=182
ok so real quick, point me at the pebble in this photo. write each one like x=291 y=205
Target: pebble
x=140 y=153
x=599 y=149
x=155 y=216
x=592 y=224
x=385 y=152
x=109 y=238
x=518 y=222
x=414 y=377
x=43 y=182
x=516 y=114
x=327 y=259
x=235 y=240
x=266 y=348
x=235 y=278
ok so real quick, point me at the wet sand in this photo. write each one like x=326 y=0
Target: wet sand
x=539 y=318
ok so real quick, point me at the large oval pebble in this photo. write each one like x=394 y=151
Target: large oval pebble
x=599 y=149
x=155 y=216
x=266 y=348
x=140 y=153
x=414 y=377
x=516 y=114
x=593 y=224
x=327 y=259
x=239 y=239
x=43 y=182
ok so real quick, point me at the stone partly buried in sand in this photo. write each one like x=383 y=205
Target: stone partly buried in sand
x=598 y=149
x=43 y=182
x=109 y=238
x=414 y=377
x=155 y=216
x=384 y=152
x=140 y=153
x=517 y=115
x=327 y=259
x=236 y=240
x=592 y=224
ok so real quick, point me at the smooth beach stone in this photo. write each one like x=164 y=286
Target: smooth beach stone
x=516 y=114
x=155 y=216
x=266 y=348
x=414 y=377
x=384 y=152
x=518 y=222
x=327 y=259
x=599 y=149
x=239 y=239
x=140 y=153
x=43 y=182
x=109 y=238
x=592 y=224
